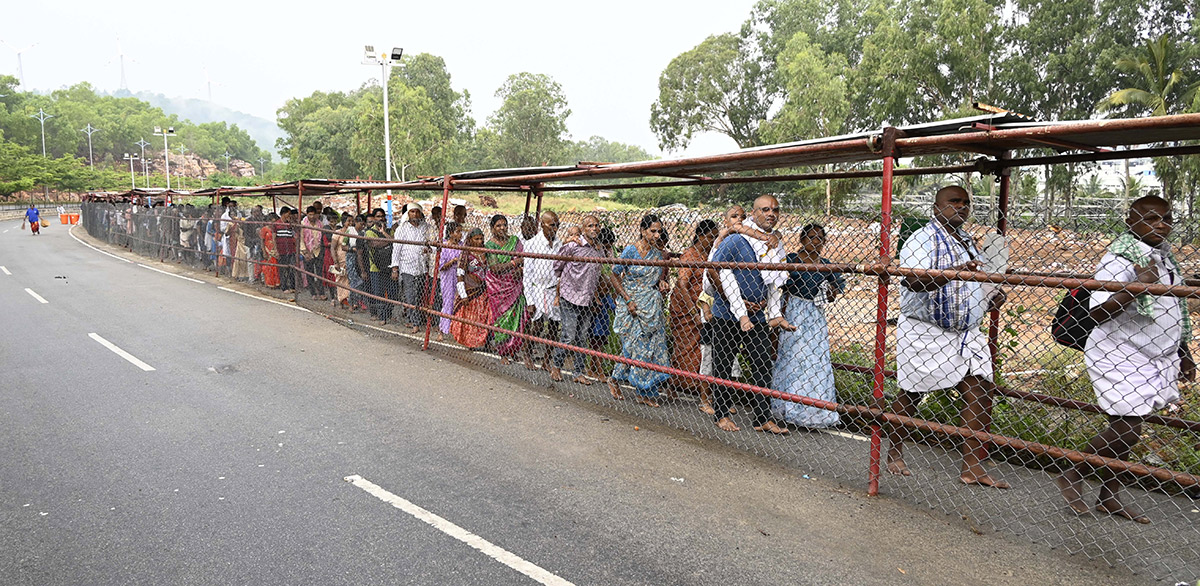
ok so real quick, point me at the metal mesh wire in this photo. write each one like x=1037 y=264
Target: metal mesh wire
x=510 y=299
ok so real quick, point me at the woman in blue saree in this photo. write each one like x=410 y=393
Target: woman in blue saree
x=804 y=367
x=640 y=321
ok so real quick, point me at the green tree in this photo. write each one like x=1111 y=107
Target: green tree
x=818 y=100
x=718 y=86
x=531 y=123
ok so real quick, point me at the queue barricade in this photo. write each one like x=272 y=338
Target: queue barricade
x=1042 y=413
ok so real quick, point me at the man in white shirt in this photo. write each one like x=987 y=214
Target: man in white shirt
x=939 y=344
x=749 y=306
x=541 y=285
x=410 y=262
x=1137 y=352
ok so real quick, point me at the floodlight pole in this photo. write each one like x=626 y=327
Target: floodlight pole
x=385 y=62
x=262 y=166
x=227 y=155
x=145 y=172
x=89 y=130
x=170 y=131
x=132 y=177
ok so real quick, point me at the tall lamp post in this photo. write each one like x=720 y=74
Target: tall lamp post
x=227 y=155
x=132 y=178
x=262 y=168
x=89 y=130
x=385 y=62
x=145 y=172
x=170 y=131
x=41 y=117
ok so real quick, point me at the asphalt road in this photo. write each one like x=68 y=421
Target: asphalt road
x=227 y=463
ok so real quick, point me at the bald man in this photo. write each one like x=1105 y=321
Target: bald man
x=541 y=283
x=1137 y=352
x=939 y=344
x=742 y=316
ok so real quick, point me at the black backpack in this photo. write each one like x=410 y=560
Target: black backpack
x=1073 y=320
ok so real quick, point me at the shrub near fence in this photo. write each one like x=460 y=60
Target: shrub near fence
x=1043 y=414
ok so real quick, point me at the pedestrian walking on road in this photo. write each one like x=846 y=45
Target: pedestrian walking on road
x=34 y=220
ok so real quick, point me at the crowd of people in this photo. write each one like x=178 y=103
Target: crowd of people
x=763 y=326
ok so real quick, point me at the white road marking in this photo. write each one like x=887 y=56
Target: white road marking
x=72 y=233
x=853 y=436
x=171 y=274
x=494 y=551
x=5 y=269
x=264 y=299
x=36 y=296
x=119 y=352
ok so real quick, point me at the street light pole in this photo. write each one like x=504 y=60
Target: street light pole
x=170 y=131
x=145 y=172
x=227 y=155
x=41 y=117
x=89 y=130
x=132 y=178
x=262 y=167
x=385 y=62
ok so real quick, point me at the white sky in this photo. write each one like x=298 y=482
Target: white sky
x=606 y=55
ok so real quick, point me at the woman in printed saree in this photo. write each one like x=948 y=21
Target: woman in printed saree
x=337 y=269
x=639 y=320
x=448 y=276
x=505 y=289
x=270 y=271
x=471 y=296
x=804 y=366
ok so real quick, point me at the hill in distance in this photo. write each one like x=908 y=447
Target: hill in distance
x=263 y=131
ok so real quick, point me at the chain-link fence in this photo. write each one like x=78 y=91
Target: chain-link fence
x=770 y=331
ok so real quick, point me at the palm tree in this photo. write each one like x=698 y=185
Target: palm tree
x=1163 y=88
x=1164 y=91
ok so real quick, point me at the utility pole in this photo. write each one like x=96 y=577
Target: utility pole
x=89 y=131
x=145 y=172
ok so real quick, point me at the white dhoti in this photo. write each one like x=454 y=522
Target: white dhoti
x=1128 y=382
x=929 y=358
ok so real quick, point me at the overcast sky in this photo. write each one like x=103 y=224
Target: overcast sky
x=607 y=56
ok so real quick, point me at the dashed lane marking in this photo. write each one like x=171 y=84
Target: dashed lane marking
x=119 y=352
x=491 y=550
x=5 y=269
x=36 y=296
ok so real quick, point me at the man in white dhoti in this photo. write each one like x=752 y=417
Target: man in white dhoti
x=939 y=343
x=1137 y=351
x=541 y=289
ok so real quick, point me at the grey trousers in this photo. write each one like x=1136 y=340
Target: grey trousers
x=576 y=325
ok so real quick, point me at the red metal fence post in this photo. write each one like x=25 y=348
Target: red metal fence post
x=437 y=261
x=881 y=310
